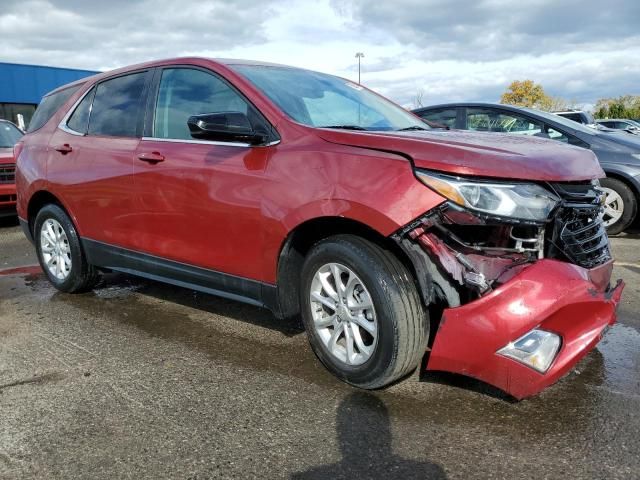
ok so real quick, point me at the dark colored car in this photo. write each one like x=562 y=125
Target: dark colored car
x=585 y=118
x=629 y=126
x=618 y=153
x=311 y=195
x=9 y=136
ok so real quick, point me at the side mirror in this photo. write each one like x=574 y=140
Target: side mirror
x=224 y=127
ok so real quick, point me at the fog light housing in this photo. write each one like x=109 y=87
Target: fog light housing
x=536 y=349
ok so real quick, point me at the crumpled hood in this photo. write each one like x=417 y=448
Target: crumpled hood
x=480 y=154
x=6 y=155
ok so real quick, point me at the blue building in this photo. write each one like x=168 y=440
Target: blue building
x=22 y=87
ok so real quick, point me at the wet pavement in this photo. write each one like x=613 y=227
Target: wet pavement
x=142 y=380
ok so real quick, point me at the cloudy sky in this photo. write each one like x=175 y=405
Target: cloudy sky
x=447 y=49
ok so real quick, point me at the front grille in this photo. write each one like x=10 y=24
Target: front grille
x=7 y=174
x=8 y=198
x=578 y=234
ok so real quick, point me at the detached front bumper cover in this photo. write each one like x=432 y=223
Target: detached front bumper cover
x=572 y=302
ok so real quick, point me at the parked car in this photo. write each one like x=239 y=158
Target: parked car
x=618 y=153
x=586 y=118
x=9 y=136
x=311 y=195
x=629 y=126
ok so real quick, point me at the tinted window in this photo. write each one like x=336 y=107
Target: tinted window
x=445 y=116
x=50 y=105
x=185 y=92
x=576 y=117
x=487 y=120
x=9 y=135
x=117 y=105
x=80 y=117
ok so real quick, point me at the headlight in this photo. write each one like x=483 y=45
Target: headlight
x=525 y=201
x=636 y=155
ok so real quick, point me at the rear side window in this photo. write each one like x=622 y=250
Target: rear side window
x=445 y=116
x=117 y=106
x=79 y=119
x=49 y=106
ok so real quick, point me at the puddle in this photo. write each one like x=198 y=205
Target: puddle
x=620 y=349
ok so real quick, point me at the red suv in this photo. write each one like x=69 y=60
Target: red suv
x=311 y=195
x=9 y=136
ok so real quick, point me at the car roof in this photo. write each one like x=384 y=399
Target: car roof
x=467 y=104
x=167 y=61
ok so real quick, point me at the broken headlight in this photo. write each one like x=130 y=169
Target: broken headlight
x=525 y=201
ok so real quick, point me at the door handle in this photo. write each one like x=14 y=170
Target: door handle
x=151 y=157
x=64 y=149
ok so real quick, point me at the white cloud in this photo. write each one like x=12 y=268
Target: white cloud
x=449 y=49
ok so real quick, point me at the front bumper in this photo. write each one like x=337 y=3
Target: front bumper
x=556 y=296
x=8 y=199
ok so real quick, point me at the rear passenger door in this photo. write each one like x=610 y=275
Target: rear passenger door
x=95 y=147
x=198 y=201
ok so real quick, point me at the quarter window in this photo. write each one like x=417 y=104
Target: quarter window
x=79 y=119
x=49 y=106
x=443 y=117
x=117 y=106
x=185 y=92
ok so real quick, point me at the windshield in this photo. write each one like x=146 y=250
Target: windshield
x=320 y=100
x=563 y=121
x=9 y=135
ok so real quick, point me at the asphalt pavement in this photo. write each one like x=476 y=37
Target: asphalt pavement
x=143 y=380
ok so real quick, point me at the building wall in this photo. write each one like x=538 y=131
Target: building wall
x=22 y=87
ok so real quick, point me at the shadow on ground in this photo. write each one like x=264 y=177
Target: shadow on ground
x=364 y=437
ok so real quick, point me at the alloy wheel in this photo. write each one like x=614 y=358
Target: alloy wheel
x=55 y=248
x=343 y=314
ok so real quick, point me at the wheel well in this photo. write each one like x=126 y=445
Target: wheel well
x=306 y=235
x=626 y=181
x=37 y=201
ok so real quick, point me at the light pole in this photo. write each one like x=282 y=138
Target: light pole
x=359 y=55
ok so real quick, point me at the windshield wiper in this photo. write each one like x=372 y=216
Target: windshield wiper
x=414 y=127
x=344 y=127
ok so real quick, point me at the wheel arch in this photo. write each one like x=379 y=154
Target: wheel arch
x=38 y=200
x=300 y=240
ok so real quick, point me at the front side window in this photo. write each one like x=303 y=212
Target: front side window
x=117 y=106
x=446 y=116
x=185 y=92
x=487 y=120
x=9 y=135
x=49 y=106
x=321 y=100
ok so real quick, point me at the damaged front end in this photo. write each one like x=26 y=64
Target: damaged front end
x=522 y=271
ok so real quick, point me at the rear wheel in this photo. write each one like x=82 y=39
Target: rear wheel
x=620 y=205
x=362 y=312
x=60 y=253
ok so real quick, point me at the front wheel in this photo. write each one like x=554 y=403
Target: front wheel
x=60 y=253
x=362 y=312
x=620 y=205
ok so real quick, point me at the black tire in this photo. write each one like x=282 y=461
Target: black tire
x=81 y=276
x=629 y=201
x=403 y=322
